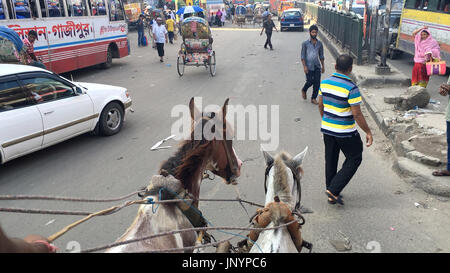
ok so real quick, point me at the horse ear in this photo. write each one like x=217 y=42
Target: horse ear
x=298 y=159
x=195 y=113
x=268 y=158
x=225 y=108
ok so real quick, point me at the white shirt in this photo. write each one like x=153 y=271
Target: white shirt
x=172 y=16
x=159 y=32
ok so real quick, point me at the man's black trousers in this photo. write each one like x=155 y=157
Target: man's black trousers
x=352 y=148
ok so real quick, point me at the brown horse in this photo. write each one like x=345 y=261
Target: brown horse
x=182 y=174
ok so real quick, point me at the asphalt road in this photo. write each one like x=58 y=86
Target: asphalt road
x=379 y=213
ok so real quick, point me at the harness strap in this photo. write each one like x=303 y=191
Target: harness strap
x=193 y=214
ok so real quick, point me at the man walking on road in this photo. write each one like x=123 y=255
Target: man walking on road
x=339 y=107
x=140 y=30
x=170 y=23
x=268 y=25
x=160 y=35
x=313 y=63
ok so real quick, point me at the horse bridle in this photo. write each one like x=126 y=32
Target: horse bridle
x=232 y=166
x=296 y=179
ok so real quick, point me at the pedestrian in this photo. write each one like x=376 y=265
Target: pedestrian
x=268 y=26
x=160 y=35
x=426 y=48
x=339 y=107
x=232 y=10
x=211 y=19
x=223 y=18
x=219 y=18
x=31 y=58
x=154 y=24
x=140 y=30
x=445 y=91
x=170 y=23
x=313 y=63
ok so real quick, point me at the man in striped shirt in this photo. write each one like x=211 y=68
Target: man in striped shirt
x=339 y=106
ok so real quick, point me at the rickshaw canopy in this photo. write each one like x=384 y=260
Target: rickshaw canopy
x=195 y=28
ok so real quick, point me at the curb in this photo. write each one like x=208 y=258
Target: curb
x=417 y=174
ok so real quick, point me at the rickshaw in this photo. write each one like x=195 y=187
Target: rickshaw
x=258 y=15
x=249 y=14
x=240 y=15
x=196 y=48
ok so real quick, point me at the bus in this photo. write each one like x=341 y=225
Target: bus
x=72 y=34
x=133 y=8
x=284 y=5
x=432 y=13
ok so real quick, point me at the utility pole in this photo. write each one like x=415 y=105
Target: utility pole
x=373 y=35
x=383 y=68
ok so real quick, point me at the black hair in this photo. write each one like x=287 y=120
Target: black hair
x=32 y=32
x=344 y=62
x=313 y=27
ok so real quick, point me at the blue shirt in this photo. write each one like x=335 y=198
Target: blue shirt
x=312 y=54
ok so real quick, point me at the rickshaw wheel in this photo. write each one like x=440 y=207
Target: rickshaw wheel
x=212 y=64
x=180 y=66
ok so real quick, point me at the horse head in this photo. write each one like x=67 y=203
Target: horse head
x=208 y=148
x=282 y=177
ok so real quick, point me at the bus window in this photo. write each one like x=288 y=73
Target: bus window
x=22 y=9
x=44 y=11
x=2 y=13
x=76 y=8
x=55 y=8
x=444 y=6
x=115 y=10
x=97 y=7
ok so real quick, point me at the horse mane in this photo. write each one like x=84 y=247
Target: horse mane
x=281 y=185
x=186 y=160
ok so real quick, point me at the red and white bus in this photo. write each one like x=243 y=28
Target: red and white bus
x=72 y=34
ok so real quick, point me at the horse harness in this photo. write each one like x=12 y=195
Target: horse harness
x=193 y=214
x=296 y=179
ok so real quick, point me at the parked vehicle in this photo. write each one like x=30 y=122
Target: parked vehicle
x=38 y=109
x=393 y=51
x=292 y=18
x=435 y=15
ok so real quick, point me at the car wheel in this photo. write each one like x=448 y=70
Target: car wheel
x=111 y=119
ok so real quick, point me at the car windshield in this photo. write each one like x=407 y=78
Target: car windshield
x=292 y=13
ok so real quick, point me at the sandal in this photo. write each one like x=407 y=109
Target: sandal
x=441 y=173
x=304 y=95
x=331 y=201
x=337 y=200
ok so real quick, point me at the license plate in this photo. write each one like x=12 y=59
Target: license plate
x=292 y=25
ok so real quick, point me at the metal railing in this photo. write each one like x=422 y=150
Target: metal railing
x=346 y=29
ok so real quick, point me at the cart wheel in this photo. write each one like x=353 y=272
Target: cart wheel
x=180 y=66
x=212 y=64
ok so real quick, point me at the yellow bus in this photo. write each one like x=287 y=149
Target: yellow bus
x=435 y=14
x=284 y=5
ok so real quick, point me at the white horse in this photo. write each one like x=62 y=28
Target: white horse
x=283 y=174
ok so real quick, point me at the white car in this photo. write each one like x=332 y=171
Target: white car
x=38 y=109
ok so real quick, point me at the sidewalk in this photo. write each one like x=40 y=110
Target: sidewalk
x=418 y=136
